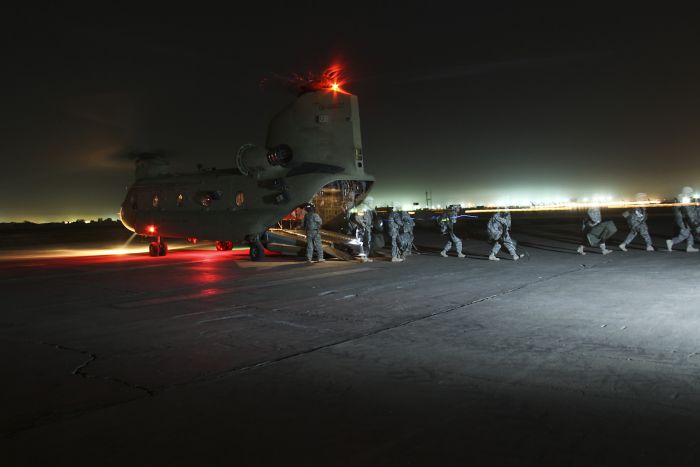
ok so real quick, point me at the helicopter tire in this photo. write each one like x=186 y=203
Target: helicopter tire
x=154 y=249
x=257 y=251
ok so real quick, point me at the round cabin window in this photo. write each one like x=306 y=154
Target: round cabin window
x=240 y=199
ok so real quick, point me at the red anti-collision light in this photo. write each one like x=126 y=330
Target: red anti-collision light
x=150 y=228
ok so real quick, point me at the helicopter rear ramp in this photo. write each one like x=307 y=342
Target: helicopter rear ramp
x=291 y=241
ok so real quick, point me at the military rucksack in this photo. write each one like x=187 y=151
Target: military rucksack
x=442 y=221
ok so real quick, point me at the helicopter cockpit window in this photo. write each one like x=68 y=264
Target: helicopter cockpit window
x=156 y=201
x=240 y=199
x=180 y=200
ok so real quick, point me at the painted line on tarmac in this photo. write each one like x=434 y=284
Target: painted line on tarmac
x=229 y=290
x=245 y=315
x=215 y=310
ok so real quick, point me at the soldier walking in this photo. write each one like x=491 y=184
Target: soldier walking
x=312 y=226
x=637 y=221
x=447 y=222
x=498 y=230
x=394 y=225
x=407 y=225
x=687 y=221
x=362 y=227
x=596 y=231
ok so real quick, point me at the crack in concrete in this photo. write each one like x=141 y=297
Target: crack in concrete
x=80 y=369
x=91 y=357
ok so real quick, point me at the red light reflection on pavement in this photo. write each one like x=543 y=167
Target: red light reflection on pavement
x=13 y=262
x=210 y=292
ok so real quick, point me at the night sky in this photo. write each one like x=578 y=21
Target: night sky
x=501 y=102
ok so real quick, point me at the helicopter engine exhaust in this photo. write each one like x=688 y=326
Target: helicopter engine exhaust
x=253 y=160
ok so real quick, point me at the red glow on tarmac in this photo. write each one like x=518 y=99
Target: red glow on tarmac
x=88 y=256
x=210 y=292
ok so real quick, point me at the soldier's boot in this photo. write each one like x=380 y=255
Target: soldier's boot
x=580 y=251
x=460 y=254
x=321 y=260
x=650 y=248
x=604 y=250
x=493 y=257
x=443 y=253
x=623 y=247
x=396 y=259
x=515 y=257
x=669 y=245
x=691 y=249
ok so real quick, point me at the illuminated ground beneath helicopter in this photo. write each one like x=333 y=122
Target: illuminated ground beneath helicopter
x=206 y=358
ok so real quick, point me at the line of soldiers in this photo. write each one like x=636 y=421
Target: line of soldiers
x=361 y=224
x=595 y=231
x=498 y=230
x=686 y=217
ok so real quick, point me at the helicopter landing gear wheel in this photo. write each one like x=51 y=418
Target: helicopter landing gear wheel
x=257 y=250
x=154 y=249
x=158 y=248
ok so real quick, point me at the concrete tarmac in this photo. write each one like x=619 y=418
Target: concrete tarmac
x=206 y=358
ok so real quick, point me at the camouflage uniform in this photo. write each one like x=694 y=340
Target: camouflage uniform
x=447 y=223
x=393 y=225
x=362 y=227
x=686 y=218
x=637 y=221
x=498 y=230
x=407 y=233
x=367 y=225
x=312 y=226
x=696 y=231
x=596 y=231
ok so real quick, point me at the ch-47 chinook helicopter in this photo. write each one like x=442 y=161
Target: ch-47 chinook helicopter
x=313 y=154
